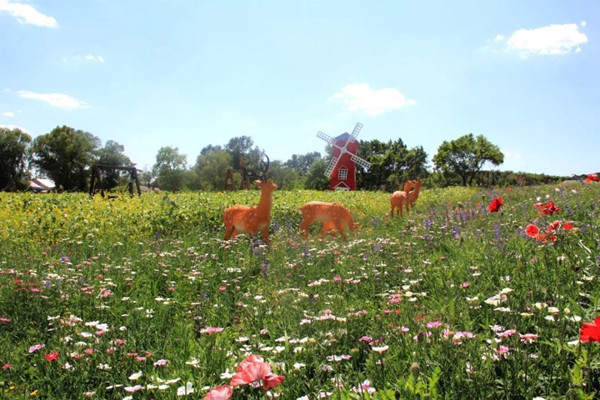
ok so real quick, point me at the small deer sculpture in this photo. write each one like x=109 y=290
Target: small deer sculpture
x=400 y=199
x=244 y=219
x=331 y=215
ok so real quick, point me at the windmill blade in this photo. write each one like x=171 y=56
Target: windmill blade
x=361 y=161
x=356 y=130
x=325 y=137
x=331 y=166
x=331 y=141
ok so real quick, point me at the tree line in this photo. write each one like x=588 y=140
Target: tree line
x=66 y=155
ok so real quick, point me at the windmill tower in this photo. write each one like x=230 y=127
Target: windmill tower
x=342 y=167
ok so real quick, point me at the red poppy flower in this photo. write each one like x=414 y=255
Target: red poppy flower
x=554 y=226
x=548 y=208
x=532 y=231
x=590 y=331
x=51 y=356
x=222 y=392
x=568 y=226
x=592 y=178
x=496 y=204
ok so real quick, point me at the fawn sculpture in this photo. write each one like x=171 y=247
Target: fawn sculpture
x=400 y=199
x=244 y=219
x=331 y=215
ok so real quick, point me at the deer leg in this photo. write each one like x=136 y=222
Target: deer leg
x=340 y=229
x=228 y=232
x=304 y=227
x=265 y=234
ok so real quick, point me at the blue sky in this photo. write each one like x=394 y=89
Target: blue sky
x=188 y=74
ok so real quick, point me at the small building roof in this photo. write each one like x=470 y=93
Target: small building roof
x=41 y=184
x=344 y=137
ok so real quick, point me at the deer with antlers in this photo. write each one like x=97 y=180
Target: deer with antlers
x=243 y=219
x=401 y=199
x=331 y=215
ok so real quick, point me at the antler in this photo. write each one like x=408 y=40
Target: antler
x=265 y=168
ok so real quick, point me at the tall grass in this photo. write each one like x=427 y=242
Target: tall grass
x=451 y=301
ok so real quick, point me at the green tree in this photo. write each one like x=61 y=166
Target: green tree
x=64 y=155
x=170 y=169
x=13 y=157
x=392 y=164
x=210 y=169
x=146 y=178
x=285 y=177
x=112 y=154
x=240 y=148
x=465 y=156
x=316 y=179
x=301 y=163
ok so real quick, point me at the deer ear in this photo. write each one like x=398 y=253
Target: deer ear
x=257 y=182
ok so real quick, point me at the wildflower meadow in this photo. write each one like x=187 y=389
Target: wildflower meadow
x=474 y=294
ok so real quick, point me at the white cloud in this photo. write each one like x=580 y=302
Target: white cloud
x=8 y=114
x=361 y=97
x=508 y=154
x=92 y=57
x=548 y=40
x=249 y=121
x=14 y=127
x=499 y=38
x=55 y=99
x=26 y=14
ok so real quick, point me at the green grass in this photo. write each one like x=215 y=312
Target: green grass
x=432 y=305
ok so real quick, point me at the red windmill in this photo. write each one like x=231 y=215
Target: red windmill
x=342 y=167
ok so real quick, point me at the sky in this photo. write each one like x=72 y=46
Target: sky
x=192 y=73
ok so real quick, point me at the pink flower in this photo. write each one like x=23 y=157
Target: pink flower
x=211 y=329
x=133 y=389
x=502 y=350
x=36 y=347
x=253 y=370
x=528 y=337
x=434 y=324
x=4 y=319
x=160 y=363
x=222 y=392
x=506 y=333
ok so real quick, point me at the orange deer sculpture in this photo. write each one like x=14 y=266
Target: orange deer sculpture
x=413 y=195
x=400 y=199
x=331 y=215
x=244 y=219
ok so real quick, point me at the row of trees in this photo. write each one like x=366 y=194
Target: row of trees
x=63 y=155
x=66 y=154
